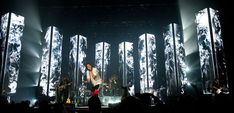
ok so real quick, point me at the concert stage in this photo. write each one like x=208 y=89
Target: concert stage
x=105 y=100
x=107 y=103
x=78 y=109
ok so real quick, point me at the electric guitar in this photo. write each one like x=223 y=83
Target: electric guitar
x=62 y=87
x=222 y=90
x=68 y=101
x=218 y=90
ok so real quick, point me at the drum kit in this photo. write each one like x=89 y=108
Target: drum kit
x=111 y=88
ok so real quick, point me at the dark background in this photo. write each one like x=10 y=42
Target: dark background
x=112 y=21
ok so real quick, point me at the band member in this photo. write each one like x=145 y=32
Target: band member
x=63 y=89
x=112 y=86
x=93 y=77
x=217 y=87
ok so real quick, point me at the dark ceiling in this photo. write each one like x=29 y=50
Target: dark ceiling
x=100 y=3
x=92 y=11
x=101 y=18
x=105 y=17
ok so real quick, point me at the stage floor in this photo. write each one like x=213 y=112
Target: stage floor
x=83 y=109
x=86 y=107
x=105 y=100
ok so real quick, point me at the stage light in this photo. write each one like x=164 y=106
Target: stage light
x=32 y=102
x=41 y=30
x=32 y=49
x=187 y=9
x=187 y=69
x=186 y=82
x=31 y=11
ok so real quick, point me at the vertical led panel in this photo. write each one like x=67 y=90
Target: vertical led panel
x=77 y=56
x=175 y=66
x=12 y=26
x=147 y=61
x=170 y=61
x=102 y=58
x=126 y=66
x=51 y=61
x=210 y=45
x=205 y=49
x=45 y=61
x=73 y=60
x=220 y=64
x=180 y=58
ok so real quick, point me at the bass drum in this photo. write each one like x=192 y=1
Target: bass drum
x=106 y=90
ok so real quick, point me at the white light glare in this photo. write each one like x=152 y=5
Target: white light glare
x=186 y=82
x=187 y=69
x=32 y=102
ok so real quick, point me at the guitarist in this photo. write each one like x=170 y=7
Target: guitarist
x=217 y=87
x=63 y=89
